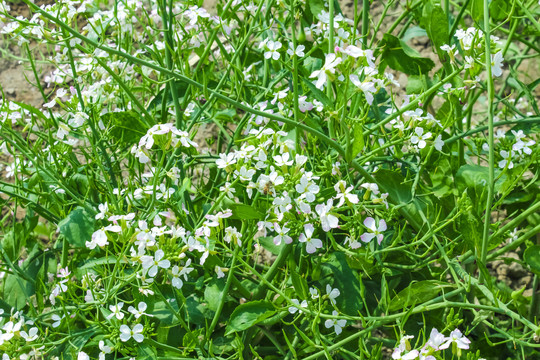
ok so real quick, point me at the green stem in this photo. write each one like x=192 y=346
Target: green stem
x=224 y=294
x=491 y=169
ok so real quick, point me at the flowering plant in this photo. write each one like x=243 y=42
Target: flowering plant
x=256 y=181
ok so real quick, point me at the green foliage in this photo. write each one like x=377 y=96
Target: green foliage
x=401 y=57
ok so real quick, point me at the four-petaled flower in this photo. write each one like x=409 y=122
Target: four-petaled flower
x=273 y=47
x=328 y=221
x=420 y=138
x=375 y=230
x=281 y=234
x=152 y=264
x=328 y=69
x=136 y=333
x=311 y=244
x=337 y=324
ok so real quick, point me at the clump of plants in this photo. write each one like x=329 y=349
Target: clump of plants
x=253 y=182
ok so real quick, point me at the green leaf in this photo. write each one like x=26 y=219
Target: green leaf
x=213 y=293
x=268 y=243
x=436 y=22
x=17 y=291
x=417 y=293
x=125 y=127
x=401 y=57
x=77 y=227
x=532 y=257
x=316 y=7
x=346 y=281
x=317 y=94
x=413 y=32
x=245 y=212
x=249 y=314
x=469 y=224
x=500 y=9
x=477 y=10
x=394 y=183
x=358 y=140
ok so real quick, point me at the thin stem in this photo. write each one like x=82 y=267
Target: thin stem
x=491 y=169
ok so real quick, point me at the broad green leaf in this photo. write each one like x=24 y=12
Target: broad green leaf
x=145 y=351
x=532 y=257
x=401 y=57
x=442 y=178
x=213 y=293
x=165 y=93
x=413 y=32
x=417 y=293
x=346 y=281
x=316 y=7
x=268 y=243
x=249 y=314
x=436 y=22
x=500 y=9
x=394 y=184
x=17 y=291
x=125 y=127
x=245 y=212
x=470 y=226
x=77 y=227
x=358 y=140
x=477 y=10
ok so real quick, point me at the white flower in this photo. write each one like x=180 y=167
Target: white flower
x=332 y=293
x=152 y=264
x=273 y=47
x=105 y=349
x=314 y=292
x=337 y=324
x=298 y=52
x=140 y=311
x=456 y=337
x=496 y=64
x=225 y=160
x=402 y=347
x=436 y=339
x=307 y=189
x=244 y=174
x=507 y=159
x=219 y=272
x=372 y=187
x=525 y=147
x=57 y=320
x=375 y=231
x=31 y=335
x=420 y=138
x=344 y=193
x=328 y=68
x=103 y=208
x=99 y=237
x=294 y=309
x=311 y=244
x=303 y=104
x=116 y=311
x=136 y=333
x=439 y=143
x=283 y=160
x=281 y=234
x=232 y=234
x=82 y=356
x=367 y=87
x=328 y=221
